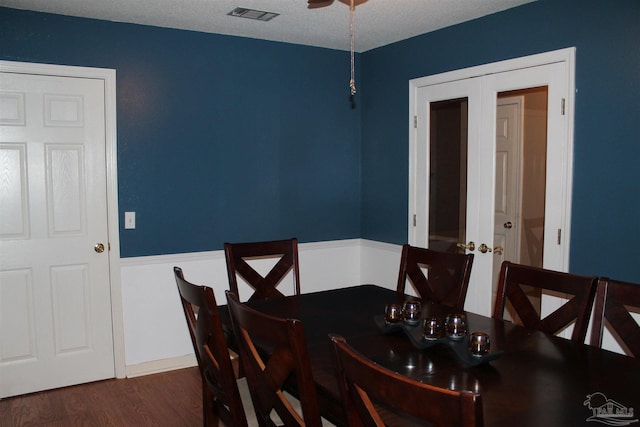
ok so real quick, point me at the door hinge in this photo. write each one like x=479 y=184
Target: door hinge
x=562 y=104
x=559 y=235
x=415 y=122
x=415 y=220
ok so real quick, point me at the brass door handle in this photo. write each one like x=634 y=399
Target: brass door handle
x=498 y=250
x=469 y=246
x=508 y=225
x=484 y=248
x=98 y=247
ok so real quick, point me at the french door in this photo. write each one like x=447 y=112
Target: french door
x=490 y=166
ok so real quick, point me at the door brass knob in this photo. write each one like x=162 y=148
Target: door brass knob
x=98 y=247
x=484 y=248
x=469 y=246
x=498 y=250
x=508 y=225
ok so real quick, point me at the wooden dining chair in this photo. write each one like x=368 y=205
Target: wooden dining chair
x=441 y=277
x=371 y=394
x=580 y=291
x=273 y=351
x=615 y=301
x=221 y=399
x=265 y=287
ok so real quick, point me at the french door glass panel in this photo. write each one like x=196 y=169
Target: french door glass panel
x=448 y=174
x=451 y=115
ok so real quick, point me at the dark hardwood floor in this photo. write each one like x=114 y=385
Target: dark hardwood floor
x=165 y=399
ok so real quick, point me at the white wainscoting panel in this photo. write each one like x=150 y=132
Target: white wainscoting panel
x=156 y=336
x=155 y=332
x=380 y=263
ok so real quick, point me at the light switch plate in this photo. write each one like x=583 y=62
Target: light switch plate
x=129 y=220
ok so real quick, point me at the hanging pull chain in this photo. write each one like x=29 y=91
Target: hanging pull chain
x=352 y=82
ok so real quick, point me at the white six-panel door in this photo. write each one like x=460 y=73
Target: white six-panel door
x=508 y=182
x=55 y=301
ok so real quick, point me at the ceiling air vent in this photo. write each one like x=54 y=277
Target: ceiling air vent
x=241 y=12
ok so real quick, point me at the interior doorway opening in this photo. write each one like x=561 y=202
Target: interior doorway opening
x=532 y=174
x=521 y=152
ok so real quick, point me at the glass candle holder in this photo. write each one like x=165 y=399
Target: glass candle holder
x=456 y=326
x=479 y=343
x=412 y=312
x=393 y=313
x=433 y=328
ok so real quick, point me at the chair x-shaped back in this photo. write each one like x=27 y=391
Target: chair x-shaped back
x=220 y=395
x=366 y=387
x=286 y=253
x=614 y=300
x=447 y=277
x=579 y=289
x=273 y=351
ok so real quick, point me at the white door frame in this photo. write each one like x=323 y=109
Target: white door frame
x=565 y=57
x=109 y=78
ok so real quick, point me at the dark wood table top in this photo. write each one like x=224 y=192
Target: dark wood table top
x=539 y=380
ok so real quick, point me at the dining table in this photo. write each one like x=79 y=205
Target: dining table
x=528 y=378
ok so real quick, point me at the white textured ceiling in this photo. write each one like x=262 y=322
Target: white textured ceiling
x=377 y=22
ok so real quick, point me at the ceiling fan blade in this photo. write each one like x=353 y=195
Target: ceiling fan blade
x=312 y=4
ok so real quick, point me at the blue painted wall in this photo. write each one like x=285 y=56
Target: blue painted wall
x=224 y=138
x=606 y=193
x=219 y=138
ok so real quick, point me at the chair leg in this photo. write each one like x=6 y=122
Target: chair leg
x=209 y=411
x=238 y=371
